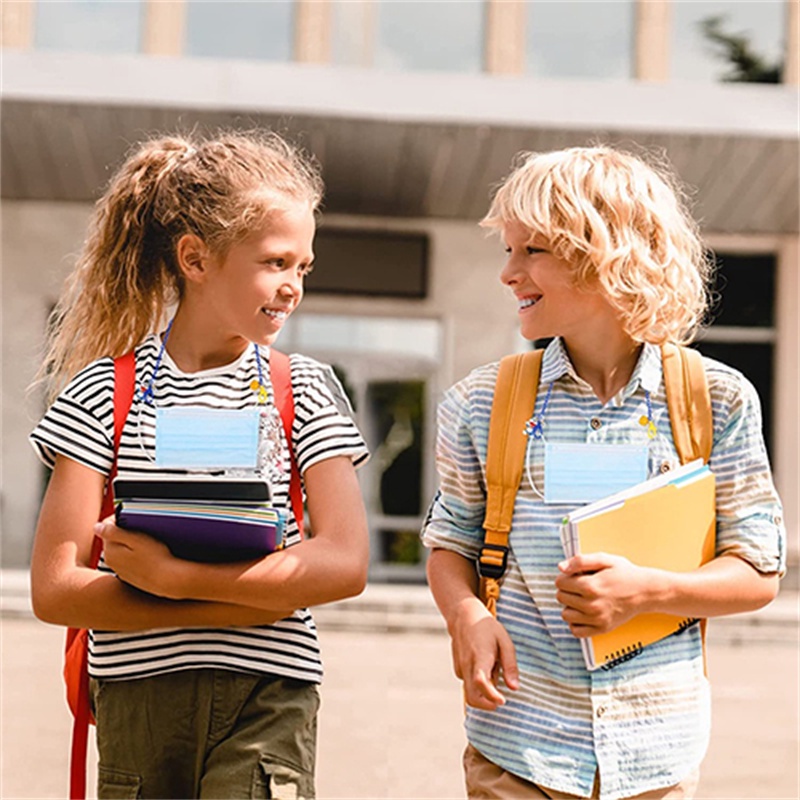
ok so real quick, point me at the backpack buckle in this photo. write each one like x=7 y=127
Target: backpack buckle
x=493 y=561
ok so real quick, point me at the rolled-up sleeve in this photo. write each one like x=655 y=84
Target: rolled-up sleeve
x=455 y=518
x=749 y=513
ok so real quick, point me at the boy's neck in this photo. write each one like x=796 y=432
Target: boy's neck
x=606 y=363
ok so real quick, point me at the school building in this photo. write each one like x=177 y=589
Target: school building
x=414 y=109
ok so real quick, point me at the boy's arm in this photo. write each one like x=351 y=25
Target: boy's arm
x=330 y=565
x=481 y=645
x=66 y=591
x=599 y=592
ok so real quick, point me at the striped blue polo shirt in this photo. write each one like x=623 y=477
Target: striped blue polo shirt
x=645 y=723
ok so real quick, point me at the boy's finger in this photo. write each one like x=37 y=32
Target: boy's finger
x=508 y=662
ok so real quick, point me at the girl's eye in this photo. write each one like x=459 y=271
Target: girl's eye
x=534 y=250
x=508 y=250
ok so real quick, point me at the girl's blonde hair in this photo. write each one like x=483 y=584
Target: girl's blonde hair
x=127 y=276
x=619 y=222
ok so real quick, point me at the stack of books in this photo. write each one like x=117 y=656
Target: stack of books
x=202 y=517
x=669 y=523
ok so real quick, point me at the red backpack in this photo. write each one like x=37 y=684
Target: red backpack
x=76 y=652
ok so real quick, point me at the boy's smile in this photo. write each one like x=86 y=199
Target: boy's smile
x=549 y=303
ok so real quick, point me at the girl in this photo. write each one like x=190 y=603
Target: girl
x=204 y=676
x=603 y=257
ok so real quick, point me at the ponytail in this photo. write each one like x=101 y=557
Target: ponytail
x=126 y=275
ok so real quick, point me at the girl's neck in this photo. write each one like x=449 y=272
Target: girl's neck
x=197 y=346
x=605 y=362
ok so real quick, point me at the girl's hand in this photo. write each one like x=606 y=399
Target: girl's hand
x=600 y=592
x=139 y=559
x=482 y=649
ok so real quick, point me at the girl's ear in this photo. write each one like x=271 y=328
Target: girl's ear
x=193 y=257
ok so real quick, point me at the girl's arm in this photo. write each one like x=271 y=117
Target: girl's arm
x=599 y=592
x=330 y=565
x=65 y=591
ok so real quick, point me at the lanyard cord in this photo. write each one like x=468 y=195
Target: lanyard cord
x=533 y=430
x=147 y=392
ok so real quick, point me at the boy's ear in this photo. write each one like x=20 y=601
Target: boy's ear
x=193 y=257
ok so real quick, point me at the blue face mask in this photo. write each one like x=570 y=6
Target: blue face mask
x=206 y=438
x=583 y=473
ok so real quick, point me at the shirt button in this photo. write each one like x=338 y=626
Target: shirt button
x=596 y=423
x=600 y=711
x=665 y=467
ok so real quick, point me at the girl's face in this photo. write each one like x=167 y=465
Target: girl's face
x=548 y=302
x=258 y=283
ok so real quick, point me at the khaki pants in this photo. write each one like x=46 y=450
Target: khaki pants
x=206 y=733
x=486 y=781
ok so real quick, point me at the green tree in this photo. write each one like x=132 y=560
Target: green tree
x=746 y=65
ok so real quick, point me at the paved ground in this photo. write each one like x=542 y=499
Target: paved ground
x=391 y=717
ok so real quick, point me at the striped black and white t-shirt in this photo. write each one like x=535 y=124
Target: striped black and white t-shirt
x=80 y=426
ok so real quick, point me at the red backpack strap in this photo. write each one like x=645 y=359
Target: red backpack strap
x=281 y=376
x=77 y=647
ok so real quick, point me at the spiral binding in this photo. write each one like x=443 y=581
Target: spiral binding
x=686 y=623
x=620 y=656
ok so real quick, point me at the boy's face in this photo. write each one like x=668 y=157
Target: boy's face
x=548 y=301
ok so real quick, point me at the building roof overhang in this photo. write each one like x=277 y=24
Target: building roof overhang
x=398 y=144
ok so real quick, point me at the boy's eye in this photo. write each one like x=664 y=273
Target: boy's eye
x=306 y=269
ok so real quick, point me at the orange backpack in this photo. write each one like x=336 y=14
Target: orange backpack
x=76 y=652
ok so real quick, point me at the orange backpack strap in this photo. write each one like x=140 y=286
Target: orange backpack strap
x=688 y=401
x=281 y=377
x=512 y=406
x=76 y=654
x=689 y=405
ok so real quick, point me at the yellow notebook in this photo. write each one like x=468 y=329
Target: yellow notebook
x=668 y=522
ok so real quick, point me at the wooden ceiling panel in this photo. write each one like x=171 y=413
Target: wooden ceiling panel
x=53 y=151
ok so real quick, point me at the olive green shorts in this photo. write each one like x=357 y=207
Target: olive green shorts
x=206 y=733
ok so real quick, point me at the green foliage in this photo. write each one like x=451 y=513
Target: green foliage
x=746 y=66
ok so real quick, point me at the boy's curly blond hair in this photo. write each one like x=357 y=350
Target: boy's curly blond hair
x=619 y=222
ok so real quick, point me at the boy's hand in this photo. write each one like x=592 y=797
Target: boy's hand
x=599 y=592
x=482 y=649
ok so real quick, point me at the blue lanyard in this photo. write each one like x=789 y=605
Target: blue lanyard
x=146 y=393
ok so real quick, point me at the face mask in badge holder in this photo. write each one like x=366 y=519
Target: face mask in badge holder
x=272 y=462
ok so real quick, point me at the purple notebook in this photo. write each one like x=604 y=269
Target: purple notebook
x=207 y=532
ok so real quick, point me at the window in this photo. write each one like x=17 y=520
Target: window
x=741 y=331
x=696 y=57
x=580 y=39
x=89 y=26
x=261 y=31
x=435 y=35
x=379 y=263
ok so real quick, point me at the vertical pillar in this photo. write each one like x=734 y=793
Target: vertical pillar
x=652 y=36
x=16 y=24
x=786 y=456
x=312 y=31
x=164 y=28
x=791 y=72
x=505 y=37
